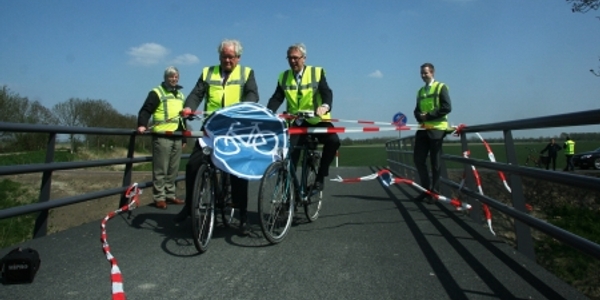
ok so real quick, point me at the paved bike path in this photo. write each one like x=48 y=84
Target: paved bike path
x=370 y=242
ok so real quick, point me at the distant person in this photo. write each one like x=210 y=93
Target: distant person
x=305 y=88
x=431 y=111
x=569 y=147
x=552 y=149
x=220 y=86
x=163 y=104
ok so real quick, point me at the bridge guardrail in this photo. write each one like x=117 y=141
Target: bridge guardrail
x=401 y=162
x=44 y=204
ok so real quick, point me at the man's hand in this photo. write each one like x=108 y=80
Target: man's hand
x=185 y=112
x=141 y=129
x=323 y=109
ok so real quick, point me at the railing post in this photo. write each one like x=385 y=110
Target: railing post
x=128 y=169
x=522 y=231
x=41 y=222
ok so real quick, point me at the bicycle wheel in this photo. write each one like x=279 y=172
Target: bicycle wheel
x=225 y=205
x=275 y=203
x=312 y=205
x=203 y=209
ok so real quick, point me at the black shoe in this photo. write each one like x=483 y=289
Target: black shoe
x=182 y=215
x=421 y=197
x=319 y=185
x=244 y=228
x=429 y=200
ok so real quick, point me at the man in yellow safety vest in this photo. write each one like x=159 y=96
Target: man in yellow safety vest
x=569 y=147
x=431 y=111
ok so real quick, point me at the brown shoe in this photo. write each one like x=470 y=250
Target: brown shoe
x=161 y=204
x=175 y=201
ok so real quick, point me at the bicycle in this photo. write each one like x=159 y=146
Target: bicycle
x=280 y=185
x=533 y=157
x=212 y=189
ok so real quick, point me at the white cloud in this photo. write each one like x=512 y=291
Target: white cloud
x=376 y=74
x=147 y=54
x=185 y=59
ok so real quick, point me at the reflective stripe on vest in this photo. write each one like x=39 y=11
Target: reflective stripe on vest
x=219 y=96
x=430 y=101
x=569 y=147
x=169 y=108
x=304 y=96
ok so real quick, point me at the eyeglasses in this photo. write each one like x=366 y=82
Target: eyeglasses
x=295 y=57
x=231 y=57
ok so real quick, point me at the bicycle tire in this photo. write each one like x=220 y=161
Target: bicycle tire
x=275 y=203
x=203 y=208
x=225 y=203
x=312 y=205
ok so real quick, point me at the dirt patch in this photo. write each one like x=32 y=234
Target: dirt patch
x=78 y=182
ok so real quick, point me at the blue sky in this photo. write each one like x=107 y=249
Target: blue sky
x=502 y=60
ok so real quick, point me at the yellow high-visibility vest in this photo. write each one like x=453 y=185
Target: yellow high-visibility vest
x=429 y=100
x=219 y=95
x=304 y=96
x=569 y=147
x=168 y=109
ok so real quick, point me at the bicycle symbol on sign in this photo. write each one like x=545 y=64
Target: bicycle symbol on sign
x=264 y=142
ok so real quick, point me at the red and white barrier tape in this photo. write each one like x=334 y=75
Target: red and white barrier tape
x=302 y=130
x=493 y=159
x=486 y=209
x=390 y=179
x=311 y=130
x=132 y=193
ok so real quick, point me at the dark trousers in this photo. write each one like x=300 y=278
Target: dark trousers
x=551 y=160
x=331 y=143
x=426 y=146
x=570 y=166
x=239 y=186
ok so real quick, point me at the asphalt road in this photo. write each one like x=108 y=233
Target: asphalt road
x=370 y=242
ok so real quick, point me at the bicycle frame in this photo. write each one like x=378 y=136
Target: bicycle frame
x=301 y=185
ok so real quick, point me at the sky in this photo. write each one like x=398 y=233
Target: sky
x=501 y=59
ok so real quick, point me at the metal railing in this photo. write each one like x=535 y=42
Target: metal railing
x=400 y=159
x=44 y=204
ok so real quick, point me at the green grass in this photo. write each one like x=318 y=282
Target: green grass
x=17 y=229
x=358 y=156
x=567 y=263
x=34 y=157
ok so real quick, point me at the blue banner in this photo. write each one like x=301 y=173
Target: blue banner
x=246 y=138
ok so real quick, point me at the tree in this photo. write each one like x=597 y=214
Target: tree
x=584 y=6
x=17 y=109
x=100 y=113
x=69 y=114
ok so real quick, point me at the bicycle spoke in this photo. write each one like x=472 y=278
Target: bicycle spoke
x=203 y=208
x=275 y=205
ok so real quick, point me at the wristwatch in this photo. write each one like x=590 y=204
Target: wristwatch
x=326 y=106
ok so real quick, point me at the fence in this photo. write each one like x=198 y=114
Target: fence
x=400 y=159
x=44 y=205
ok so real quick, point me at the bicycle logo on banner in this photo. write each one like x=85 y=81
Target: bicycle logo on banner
x=231 y=143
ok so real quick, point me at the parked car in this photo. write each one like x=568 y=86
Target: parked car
x=588 y=159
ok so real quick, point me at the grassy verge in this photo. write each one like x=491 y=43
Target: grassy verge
x=17 y=229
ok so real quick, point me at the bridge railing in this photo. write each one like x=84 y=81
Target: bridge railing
x=49 y=166
x=400 y=160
